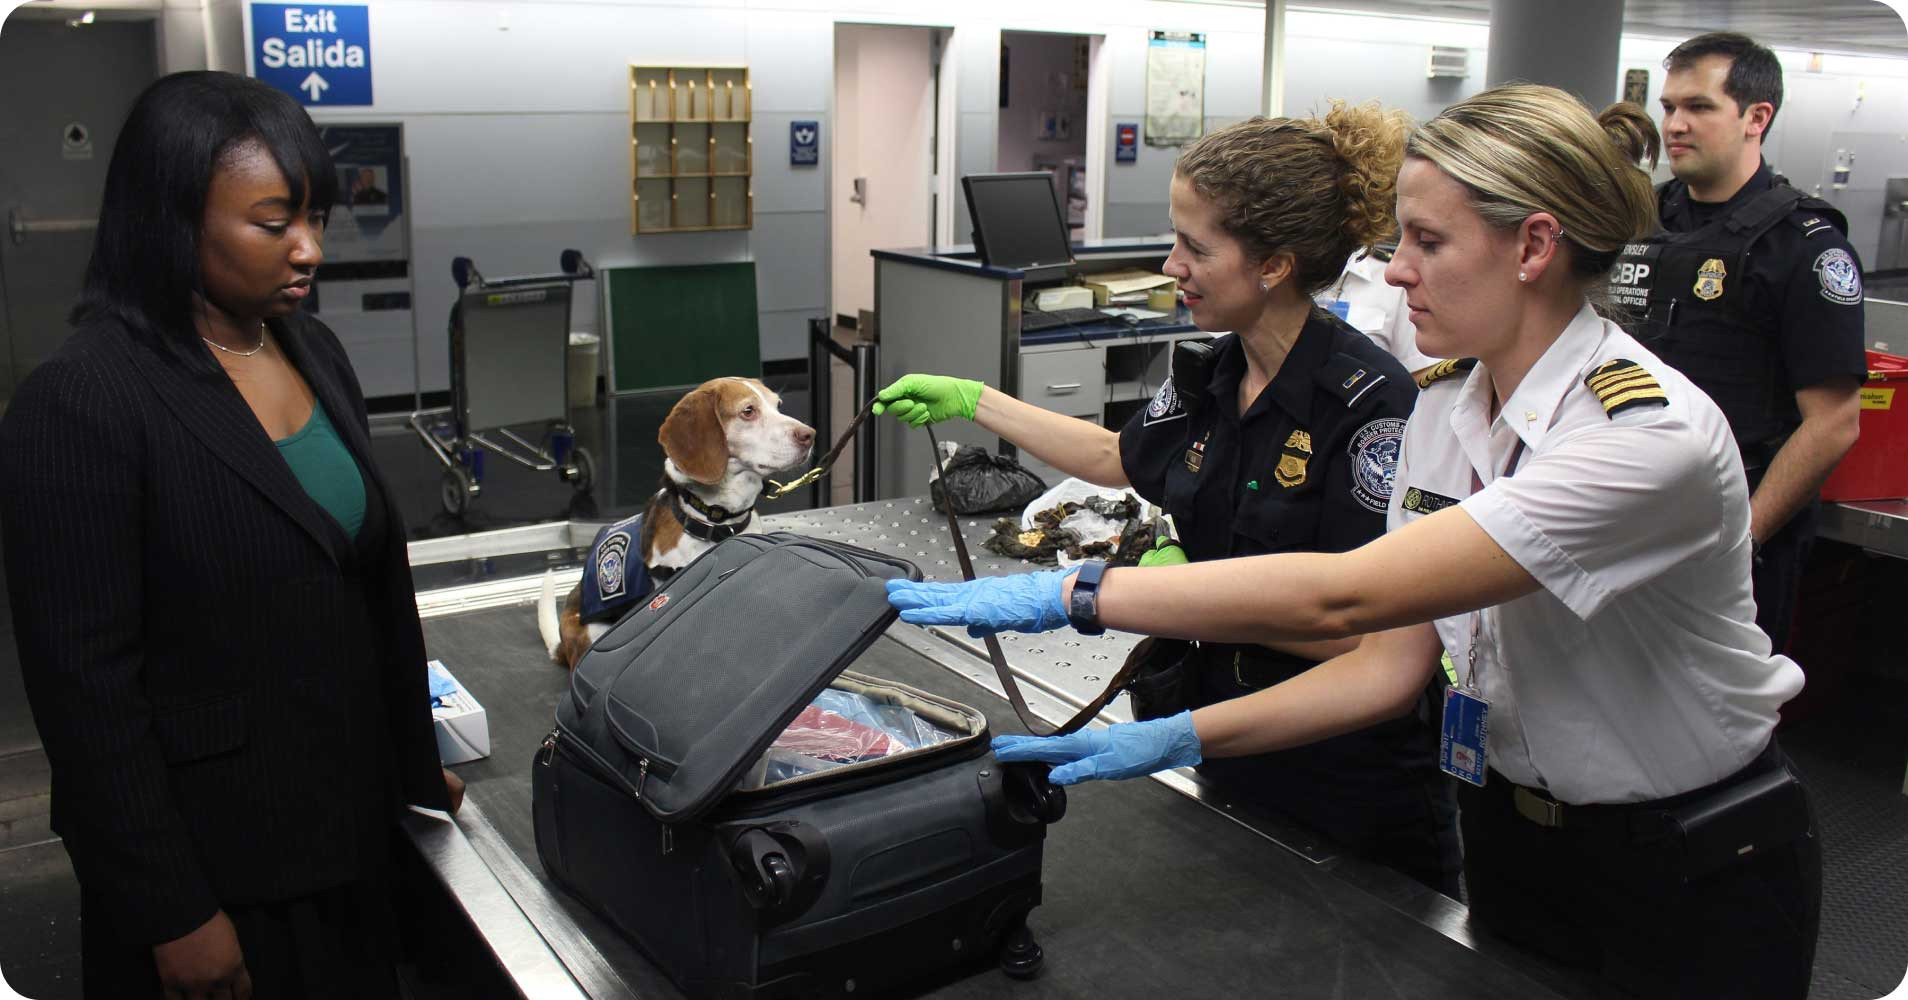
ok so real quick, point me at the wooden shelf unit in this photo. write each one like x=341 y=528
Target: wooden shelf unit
x=691 y=157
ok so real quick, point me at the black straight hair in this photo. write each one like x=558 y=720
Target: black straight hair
x=145 y=266
x=1755 y=74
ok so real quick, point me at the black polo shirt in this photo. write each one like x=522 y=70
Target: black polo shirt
x=1308 y=468
x=1795 y=296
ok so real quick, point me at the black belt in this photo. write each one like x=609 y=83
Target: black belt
x=1640 y=820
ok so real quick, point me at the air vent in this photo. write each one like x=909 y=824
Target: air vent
x=1449 y=62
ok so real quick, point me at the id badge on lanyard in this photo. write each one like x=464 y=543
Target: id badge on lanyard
x=1464 y=736
x=1466 y=731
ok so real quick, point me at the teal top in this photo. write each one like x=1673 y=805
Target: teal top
x=325 y=468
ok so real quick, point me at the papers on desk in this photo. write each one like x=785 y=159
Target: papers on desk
x=1125 y=286
x=1135 y=313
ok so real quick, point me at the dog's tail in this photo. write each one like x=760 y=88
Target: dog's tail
x=547 y=614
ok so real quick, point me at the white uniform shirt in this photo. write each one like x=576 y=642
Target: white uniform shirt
x=1637 y=672
x=1377 y=310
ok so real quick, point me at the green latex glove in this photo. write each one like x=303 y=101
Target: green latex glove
x=1163 y=553
x=919 y=400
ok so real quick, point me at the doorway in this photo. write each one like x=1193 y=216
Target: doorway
x=53 y=155
x=886 y=146
x=1045 y=84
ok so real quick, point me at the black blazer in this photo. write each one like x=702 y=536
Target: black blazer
x=230 y=692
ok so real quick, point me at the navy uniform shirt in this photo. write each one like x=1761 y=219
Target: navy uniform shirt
x=1804 y=283
x=1309 y=466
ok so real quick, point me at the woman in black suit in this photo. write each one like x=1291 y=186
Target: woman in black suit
x=210 y=592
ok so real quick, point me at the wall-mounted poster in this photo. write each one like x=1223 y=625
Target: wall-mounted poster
x=367 y=223
x=1175 y=87
x=1636 y=86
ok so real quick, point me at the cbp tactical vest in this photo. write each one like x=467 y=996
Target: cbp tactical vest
x=1685 y=296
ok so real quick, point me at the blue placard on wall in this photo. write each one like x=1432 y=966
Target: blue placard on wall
x=318 y=53
x=804 y=143
x=1125 y=142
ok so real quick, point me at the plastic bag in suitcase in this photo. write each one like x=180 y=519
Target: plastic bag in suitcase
x=856 y=879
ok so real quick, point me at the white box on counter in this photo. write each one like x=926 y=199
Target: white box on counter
x=463 y=730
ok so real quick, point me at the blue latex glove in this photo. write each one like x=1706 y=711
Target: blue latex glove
x=1028 y=602
x=1124 y=750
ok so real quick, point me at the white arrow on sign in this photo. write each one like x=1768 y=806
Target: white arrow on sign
x=314 y=84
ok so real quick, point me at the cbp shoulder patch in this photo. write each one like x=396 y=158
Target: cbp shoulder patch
x=1374 y=454
x=1165 y=406
x=1448 y=368
x=1621 y=384
x=1841 y=279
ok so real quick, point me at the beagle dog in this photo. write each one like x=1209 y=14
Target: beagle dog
x=720 y=442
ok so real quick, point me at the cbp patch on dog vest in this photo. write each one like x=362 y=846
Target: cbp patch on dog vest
x=1445 y=369
x=614 y=577
x=1621 y=384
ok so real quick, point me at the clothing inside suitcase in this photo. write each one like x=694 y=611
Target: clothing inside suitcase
x=918 y=859
x=859 y=723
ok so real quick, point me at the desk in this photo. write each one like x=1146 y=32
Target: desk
x=943 y=311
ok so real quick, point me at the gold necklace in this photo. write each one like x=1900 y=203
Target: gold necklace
x=243 y=354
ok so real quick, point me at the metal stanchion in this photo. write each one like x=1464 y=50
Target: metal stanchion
x=862 y=359
x=867 y=370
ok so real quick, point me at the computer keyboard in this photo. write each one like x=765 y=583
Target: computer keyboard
x=1032 y=320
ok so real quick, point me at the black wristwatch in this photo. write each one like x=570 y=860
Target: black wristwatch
x=1083 y=608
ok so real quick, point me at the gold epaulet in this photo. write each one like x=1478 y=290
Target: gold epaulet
x=1445 y=369
x=1621 y=384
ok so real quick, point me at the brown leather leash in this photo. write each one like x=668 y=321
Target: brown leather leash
x=999 y=658
x=779 y=490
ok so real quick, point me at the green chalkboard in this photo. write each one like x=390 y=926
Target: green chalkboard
x=673 y=326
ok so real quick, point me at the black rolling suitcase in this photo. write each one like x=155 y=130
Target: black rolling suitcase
x=855 y=879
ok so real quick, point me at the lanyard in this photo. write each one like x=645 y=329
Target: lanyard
x=1477 y=617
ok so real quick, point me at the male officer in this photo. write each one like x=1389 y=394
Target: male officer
x=1755 y=293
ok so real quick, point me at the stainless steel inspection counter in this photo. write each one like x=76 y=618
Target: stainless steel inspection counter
x=1151 y=887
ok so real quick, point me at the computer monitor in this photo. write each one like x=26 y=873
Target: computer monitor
x=1017 y=220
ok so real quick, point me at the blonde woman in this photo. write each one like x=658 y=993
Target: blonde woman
x=1570 y=520
x=1285 y=442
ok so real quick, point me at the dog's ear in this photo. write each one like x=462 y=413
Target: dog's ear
x=693 y=438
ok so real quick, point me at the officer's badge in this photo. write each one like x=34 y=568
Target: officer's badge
x=1374 y=454
x=1709 y=279
x=1841 y=279
x=1291 y=470
x=1165 y=405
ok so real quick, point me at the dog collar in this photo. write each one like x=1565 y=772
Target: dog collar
x=703 y=529
x=708 y=510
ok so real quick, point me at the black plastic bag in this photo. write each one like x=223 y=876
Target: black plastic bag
x=981 y=481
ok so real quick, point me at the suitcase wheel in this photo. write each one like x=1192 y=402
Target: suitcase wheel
x=780 y=868
x=1020 y=955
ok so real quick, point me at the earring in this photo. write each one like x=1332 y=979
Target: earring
x=1263 y=287
x=1521 y=276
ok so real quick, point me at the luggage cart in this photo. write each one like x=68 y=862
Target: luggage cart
x=509 y=356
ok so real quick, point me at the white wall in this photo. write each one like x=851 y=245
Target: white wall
x=516 y=116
